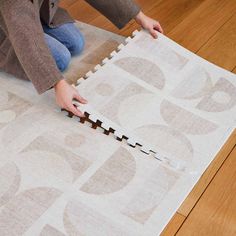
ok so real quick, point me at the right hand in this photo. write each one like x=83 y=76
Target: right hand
x=149 y=24
x=65 y=93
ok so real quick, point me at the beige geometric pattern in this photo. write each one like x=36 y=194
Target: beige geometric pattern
x=143 y=69
x=11 y=106
x=148 y=81
x=221 y=97
x=60 y=177
x=173 y=100
x=121 y=164
x=151 y=194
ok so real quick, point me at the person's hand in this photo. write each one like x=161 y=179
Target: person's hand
x=65 y=93
x=149 y=24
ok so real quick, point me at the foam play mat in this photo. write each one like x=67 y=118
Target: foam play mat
x=167 y=112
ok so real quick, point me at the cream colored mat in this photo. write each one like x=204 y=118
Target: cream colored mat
x=159 y=94
x=60 y=177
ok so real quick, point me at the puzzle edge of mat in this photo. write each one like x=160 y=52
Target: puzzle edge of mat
x=118 y=132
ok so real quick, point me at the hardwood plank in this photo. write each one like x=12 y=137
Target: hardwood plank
x=215 y=213
x=67 y=3
x=145 y=7
x=221 y=48
x=101 y=21
x=82 y=11
x=170 y=13
x=203 y=23
x=208 y=175
x=174 y=224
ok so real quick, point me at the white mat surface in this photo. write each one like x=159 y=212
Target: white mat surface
x=60 y=177
x=175 y=102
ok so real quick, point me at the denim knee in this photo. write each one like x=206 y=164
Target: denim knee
x=63 y=59
x=69 y=35
x=77 y=44
x=59 y=52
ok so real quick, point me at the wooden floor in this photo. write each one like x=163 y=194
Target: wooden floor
x=208 y=28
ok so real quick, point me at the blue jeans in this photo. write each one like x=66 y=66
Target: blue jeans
x=64 y=41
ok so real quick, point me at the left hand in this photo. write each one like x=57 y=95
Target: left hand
x=149 y=24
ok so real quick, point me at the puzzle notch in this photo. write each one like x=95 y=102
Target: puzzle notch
x=98 y=121
x=107 y=59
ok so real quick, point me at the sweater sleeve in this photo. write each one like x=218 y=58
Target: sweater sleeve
x=119 y=12
x=23 y=26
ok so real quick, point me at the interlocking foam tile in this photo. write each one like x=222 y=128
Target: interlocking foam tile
x=61 y=177
x=161 y=94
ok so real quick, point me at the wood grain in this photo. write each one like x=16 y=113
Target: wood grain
x=203 y=23
x=67 y=3
x=78 y=8
x=221 y=48
x=215 y=213
x=174 y=224
x=208 y=175
x=82 y=11
x=170 y=13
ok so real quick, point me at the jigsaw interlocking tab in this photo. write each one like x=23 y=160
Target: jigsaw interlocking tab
x=118 y=132
x=131 y=140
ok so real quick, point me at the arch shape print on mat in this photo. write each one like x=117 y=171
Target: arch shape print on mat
x=176 y=116
x=13 y=220
x=113 y=175
x=143 y=69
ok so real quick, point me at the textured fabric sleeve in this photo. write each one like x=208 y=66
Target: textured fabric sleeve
x=119 y=12
x=25 y=32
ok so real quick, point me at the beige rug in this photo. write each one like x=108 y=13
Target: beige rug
x=60 y=177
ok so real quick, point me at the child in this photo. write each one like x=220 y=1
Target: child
x=38 y=38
